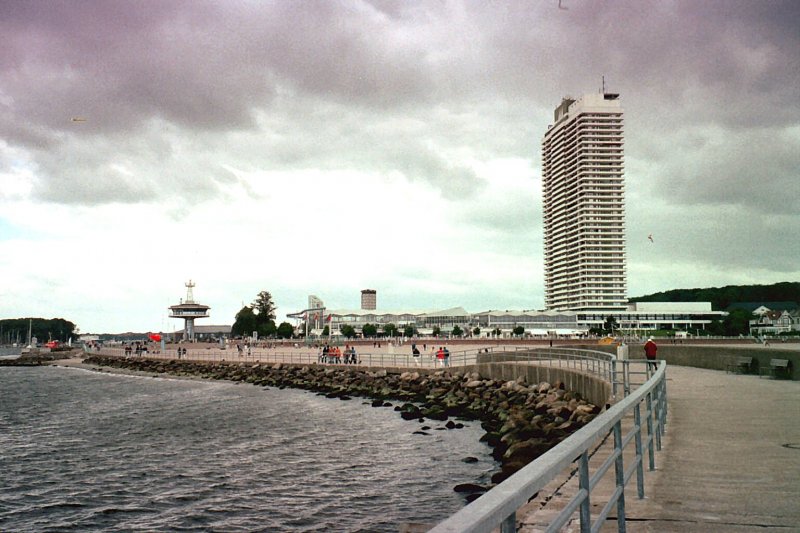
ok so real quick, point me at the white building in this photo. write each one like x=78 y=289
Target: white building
x=584 y=206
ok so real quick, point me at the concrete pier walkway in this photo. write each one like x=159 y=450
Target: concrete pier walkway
x=731 y=457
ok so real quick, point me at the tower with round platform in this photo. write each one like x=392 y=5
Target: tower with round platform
x=189 y=310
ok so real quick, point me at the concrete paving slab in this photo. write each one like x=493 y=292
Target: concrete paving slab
x=731 y=456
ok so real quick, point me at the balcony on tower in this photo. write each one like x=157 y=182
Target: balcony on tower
x=189 y=310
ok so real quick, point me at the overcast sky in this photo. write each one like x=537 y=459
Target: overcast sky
x=323 y=147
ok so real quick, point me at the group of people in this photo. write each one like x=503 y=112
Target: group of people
x=136 y=348
x=241 y=350
x=334 y=355
x=442 y=355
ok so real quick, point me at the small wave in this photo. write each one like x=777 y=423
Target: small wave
x=118 y=510
x=62 y=505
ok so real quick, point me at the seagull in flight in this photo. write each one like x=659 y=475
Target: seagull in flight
x=78 y=119
x=562 y=7
x=651 y=238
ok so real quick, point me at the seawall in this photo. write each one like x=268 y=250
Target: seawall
x=721 y=357
x=715 y=357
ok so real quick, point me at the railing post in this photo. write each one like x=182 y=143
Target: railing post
x=637 y=420
x=619 y=471
x=626 y=376
x=664 y=405
x=649 y=413
x=583 y=483
x=657 y=407
x=509 y=525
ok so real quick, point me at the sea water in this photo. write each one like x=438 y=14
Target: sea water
x=90 y=451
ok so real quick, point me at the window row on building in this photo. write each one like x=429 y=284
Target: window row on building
x=536 y=323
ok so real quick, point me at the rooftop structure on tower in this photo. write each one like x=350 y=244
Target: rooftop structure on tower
x=189 y=310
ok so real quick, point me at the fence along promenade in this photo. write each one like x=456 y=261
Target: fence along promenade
x=579 y=360
x=632 y=381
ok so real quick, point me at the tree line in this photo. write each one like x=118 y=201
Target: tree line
x=722 y=297
x=14 y=330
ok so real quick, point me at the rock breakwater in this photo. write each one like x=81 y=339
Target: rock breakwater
x=522 y=421
x=37 y=358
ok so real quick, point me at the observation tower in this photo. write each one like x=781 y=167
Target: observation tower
x=189 y=310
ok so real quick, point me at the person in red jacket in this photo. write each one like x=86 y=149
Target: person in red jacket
x=650 y=350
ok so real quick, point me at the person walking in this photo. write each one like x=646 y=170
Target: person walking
x=650 y=350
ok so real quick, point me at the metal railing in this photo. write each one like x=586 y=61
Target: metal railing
x=581 y=360
x=499 y=506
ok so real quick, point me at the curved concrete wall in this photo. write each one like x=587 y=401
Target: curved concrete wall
x=591 y=387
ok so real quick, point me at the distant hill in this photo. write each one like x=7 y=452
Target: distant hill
x=722 y=297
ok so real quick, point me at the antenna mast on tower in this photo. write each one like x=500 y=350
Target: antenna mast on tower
x=189 y=295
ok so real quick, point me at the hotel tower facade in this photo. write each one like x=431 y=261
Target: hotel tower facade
x=584 y=206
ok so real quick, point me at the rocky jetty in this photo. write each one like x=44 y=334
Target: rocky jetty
x=37 y=358
x=522 y=421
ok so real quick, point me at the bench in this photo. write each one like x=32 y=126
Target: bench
x=743 y=365
x=780 y=368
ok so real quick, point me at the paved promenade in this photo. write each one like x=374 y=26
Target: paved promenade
x=731 y=457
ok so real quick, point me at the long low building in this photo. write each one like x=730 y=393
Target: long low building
x=638 y=316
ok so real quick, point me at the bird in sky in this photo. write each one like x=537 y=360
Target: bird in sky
x=78 y=119
x=651 y=238
x=562 y=7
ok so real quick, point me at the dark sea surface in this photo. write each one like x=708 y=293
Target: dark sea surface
x=88 y=451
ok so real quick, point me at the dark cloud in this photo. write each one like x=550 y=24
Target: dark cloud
x=418 y=88
x=754 y=169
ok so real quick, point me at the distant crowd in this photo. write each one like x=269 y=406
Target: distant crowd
x=334 y=355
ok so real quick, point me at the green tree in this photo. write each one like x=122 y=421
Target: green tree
x=476 y=331
x=264 y=307
x=390 y=330
x=737 y=322
x=409 y=331
x=266 y=329
x=245 y=323
x=610 y=325
x=326 y=331
x=437 y=331
x=369 y=330
x=519 y=330
x=715 y=328
x=496 y=332
x=348 y=331
x=457 y=331
x=285 y=330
